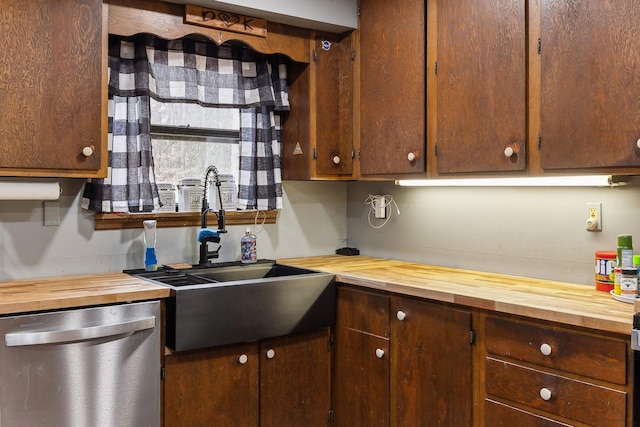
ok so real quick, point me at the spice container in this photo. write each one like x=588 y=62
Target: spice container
x=629 y=282
x=190 y=193
x=167 y=195
x=625 y=250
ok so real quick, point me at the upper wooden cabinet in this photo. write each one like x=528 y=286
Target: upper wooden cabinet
x=392 y=87
x=53 y=108
x=480 y=80
x=590 y=84
x=318 y=131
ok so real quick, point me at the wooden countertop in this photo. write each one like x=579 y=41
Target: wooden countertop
x=567 y=303
x=19 y=296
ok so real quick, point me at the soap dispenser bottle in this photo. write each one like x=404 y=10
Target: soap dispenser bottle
x=150 y=260
x=248 y=247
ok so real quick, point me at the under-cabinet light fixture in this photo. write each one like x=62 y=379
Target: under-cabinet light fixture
x=543 y=181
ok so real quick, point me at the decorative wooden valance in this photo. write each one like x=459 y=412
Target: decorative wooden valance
x=226 y=21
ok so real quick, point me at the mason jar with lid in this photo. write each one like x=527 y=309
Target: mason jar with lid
x=190 y=192
x=167 y=195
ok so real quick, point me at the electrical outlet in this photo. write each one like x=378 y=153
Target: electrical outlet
x=380 y=207
x=594 y=217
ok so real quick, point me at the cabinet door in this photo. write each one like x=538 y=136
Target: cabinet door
x=212 y=387
x=431 y=365
x=334 y=106
x=317 y=134
x=590 y=84
x=481 y=86
x=295 y=380
x=361 y=385
x=392 y=87
x=50 y=86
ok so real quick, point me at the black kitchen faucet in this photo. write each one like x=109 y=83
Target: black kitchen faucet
x=205 y=235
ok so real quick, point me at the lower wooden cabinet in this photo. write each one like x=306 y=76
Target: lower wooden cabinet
x=431 y=364
x=401 y=361
x=277 y=382
x=540 y=374
x=362 y=365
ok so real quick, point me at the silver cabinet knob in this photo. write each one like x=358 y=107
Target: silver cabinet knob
x=401 y=315
x=379 y=353
x=412 y=156
x=638 y=143
x=271 y=353
x=88 y=150
x=243 y=359
x=336 y=160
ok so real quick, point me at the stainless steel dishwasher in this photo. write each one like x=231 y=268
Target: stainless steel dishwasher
x=97 y=367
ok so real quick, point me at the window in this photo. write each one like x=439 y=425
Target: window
x=187 y=138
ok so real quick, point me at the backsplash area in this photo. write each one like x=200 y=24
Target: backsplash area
x=312 y=222
x=534 y=232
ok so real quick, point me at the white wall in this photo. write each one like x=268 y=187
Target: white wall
x=312 y=222
x=535 y=232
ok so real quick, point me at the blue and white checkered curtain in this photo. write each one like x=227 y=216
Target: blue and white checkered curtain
x=188 y=70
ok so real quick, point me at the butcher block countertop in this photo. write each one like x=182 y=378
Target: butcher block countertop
x=571 y=304
x=52 y=293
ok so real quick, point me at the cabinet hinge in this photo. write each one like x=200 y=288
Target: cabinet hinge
x=435 y=149
x=359 y=154
x=539 y=45
x=315 y=153
x=472 y=337
x=353 y=56
x=330 y=342
x=435 y=68
x=314 y=56
x=330 y=415
x=162 y=374
x=353 y=153
x=539 y=142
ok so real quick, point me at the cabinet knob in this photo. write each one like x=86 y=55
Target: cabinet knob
x=545 y=393
x=379 y=353
x=88 y=150
x=545 y=349
x=401 y=315
x=638 y=143
x=336 y=160
x=412 y=156
x=271 y=353
x=243 y=359
x=509 y=151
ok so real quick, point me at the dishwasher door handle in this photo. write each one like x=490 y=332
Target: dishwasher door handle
x=17 y=339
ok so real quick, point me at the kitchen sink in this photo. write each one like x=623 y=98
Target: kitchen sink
x=229 y=303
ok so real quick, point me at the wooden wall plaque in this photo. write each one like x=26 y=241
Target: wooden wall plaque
x=226 y=21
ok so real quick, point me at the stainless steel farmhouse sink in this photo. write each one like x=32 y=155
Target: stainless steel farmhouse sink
x=229 y=303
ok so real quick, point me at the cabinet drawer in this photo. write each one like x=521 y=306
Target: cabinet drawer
x=569 y=398
x=363 y=311
x=579 y=353
x=497 y=414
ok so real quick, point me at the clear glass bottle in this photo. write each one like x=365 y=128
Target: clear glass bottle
x=248 y=247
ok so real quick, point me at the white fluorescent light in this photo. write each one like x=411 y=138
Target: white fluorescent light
x=544 y=181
